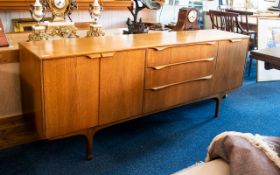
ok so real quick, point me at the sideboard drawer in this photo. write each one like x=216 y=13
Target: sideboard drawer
x=161 y=97
x=169 y=55
x=179 y=72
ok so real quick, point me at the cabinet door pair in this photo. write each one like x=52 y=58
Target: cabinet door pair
x=82 y=93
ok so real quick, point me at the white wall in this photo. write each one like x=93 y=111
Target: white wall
x=109 y=18
x=260 y=4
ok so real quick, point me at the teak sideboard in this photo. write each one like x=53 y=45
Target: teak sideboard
x=78 y=86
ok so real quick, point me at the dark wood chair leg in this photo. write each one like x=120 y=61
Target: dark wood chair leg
x=89 y=139
x=218 y=106
x=250 y=65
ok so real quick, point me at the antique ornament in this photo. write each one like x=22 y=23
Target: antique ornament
x=187 y=19
x=58 y=27
x=37 y=11
x=95 y=30
x=62 y=30
x=58 y=9
x=95 y=27
x=136 y=26
x=95 y=11
x=39 y=33
x=192 y=16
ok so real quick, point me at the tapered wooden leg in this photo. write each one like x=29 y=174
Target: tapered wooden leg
x=218 y=106
x=89 y=139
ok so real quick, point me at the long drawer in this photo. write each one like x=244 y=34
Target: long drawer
x=169 y=55
x=179 y=72
x=177 y=93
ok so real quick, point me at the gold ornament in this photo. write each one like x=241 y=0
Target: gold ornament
x=95 y=31
x=66 y=31
x=38 y=34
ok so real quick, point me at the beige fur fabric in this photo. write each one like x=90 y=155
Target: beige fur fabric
x=255 y=140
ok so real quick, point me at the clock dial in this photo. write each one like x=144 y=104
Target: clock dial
x=59 y=3
x=58 y=8
x=192 y=16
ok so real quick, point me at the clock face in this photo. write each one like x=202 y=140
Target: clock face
x=192 y=16
x=60 y=4
x=58 y=8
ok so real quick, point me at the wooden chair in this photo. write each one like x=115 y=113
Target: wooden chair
x=223 y=20
x=245 y=28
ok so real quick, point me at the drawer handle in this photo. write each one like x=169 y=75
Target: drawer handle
x=209 y=43
x=160 y=48
x=235 y=40
x=165 y=47
x=92 y=56
x=182 y=82
x=184 y=62
x=108 y=54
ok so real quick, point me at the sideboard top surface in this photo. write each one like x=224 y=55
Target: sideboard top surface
x=86 y=46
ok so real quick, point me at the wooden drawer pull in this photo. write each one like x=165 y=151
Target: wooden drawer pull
x=160 y=48
x=184 y=62
x=235 y=40
x=178 y=83
x=92 y=56
x=209 y=43
x=108 y=54
x=166 y=47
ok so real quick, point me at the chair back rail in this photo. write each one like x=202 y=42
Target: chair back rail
x=242 y=22
x=223 y=20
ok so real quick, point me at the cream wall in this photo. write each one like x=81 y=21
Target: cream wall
x=109 y=18
x=10 y=103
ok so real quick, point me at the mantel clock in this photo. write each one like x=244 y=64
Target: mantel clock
x=58 y=8
x=187 y=19
x=58 y=27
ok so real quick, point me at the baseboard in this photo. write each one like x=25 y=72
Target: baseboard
x=9 y=56
x=16 y=130
x=10 y=117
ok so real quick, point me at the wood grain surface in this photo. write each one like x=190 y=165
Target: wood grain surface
x=74 y=47
x=230 y=65
x=31 y=96
x=71 y=88
x=121 y=86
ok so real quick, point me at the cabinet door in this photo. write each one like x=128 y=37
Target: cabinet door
x=230 y=65
x=121 y=85
x=70 y=94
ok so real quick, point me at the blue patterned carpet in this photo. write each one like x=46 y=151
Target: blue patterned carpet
x=160 y=144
